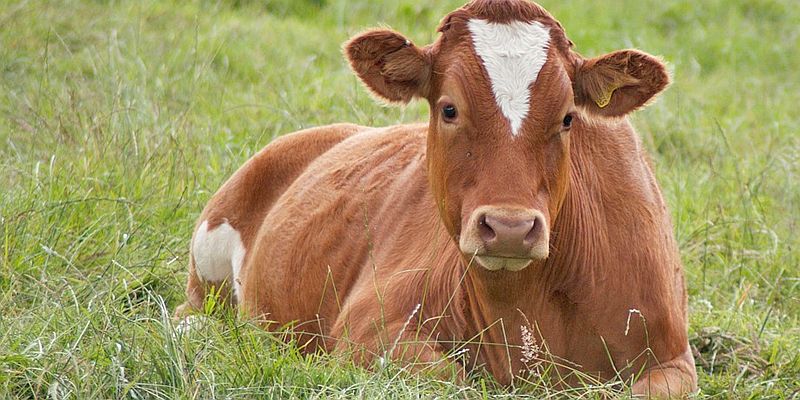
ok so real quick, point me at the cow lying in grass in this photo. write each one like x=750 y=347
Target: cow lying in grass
x=520 y=227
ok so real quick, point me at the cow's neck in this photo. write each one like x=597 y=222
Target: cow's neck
x=579 y=248
x=582 y=256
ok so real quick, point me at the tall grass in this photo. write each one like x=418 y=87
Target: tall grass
x=119 y=119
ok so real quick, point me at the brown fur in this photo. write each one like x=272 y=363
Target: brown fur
x=504 y=11
x=361 y=226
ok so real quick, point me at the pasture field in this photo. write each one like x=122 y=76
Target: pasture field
x=119 y=119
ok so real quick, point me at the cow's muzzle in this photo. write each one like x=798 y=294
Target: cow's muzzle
x=505 y=238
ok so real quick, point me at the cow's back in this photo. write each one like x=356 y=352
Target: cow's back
x=245 y=198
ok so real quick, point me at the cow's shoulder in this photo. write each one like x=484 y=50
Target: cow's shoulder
x=352 y=182
x=371 y=157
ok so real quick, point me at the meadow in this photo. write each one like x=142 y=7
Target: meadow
x=119 y=119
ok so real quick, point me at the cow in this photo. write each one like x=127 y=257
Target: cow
x=520 y=229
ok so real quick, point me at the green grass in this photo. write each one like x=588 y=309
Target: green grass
x=119 y=119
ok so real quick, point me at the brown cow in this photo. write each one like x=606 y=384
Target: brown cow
x=522 y=227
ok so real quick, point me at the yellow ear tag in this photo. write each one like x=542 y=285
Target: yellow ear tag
x=605 y=99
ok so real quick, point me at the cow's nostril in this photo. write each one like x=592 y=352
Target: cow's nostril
x=536 y=231
x=487 y=233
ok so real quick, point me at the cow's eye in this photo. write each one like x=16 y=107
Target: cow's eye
x=449 y=112
x=567 y=123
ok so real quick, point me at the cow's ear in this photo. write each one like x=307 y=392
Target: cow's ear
x=390 y=65
x=620 y=82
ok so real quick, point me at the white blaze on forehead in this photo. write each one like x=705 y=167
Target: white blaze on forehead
x=218 y=254
x=513 y=54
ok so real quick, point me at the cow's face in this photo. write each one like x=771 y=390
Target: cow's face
x=504 y=88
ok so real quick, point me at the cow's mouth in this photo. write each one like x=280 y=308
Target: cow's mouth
x=503 y=263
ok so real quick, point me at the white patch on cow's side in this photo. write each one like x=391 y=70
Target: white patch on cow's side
x=218 y=254
x=513 y=54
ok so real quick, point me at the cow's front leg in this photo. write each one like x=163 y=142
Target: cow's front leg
x=401 y=344
x=673 y=379
x=423 y=356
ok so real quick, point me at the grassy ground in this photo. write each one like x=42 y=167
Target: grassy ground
x=118 y=120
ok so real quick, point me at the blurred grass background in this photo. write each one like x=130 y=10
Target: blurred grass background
x=119 y=119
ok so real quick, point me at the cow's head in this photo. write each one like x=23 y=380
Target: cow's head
x=504 y=89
